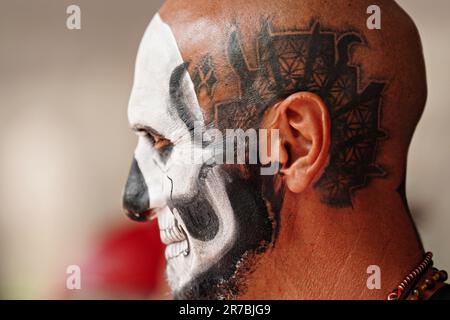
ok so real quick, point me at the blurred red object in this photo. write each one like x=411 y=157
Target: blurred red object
x=129 y=262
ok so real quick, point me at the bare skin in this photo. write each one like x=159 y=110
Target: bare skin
x=322 y=250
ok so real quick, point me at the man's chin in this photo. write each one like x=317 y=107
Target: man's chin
x=178 y=272
x=187 y=285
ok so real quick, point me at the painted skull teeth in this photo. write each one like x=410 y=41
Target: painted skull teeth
x=172 y=235
x=176 y=249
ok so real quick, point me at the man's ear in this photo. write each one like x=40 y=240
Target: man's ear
x=304 y=128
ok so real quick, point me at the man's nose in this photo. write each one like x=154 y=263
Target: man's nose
x=136 y=200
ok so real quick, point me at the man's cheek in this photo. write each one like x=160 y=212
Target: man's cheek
x=204 y=209
x=199 y=217
x=155 y=179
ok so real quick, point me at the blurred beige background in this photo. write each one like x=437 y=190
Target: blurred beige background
x=65 y=143
x=428 y=185
x=66 y=148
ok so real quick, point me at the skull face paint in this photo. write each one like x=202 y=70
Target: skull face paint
x=209 y=215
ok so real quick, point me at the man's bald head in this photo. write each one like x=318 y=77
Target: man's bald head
x=345 y=100
x=261 y=51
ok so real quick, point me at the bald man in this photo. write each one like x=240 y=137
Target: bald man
x=333 y=105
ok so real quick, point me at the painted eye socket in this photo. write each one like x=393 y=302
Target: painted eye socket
x=161 y=144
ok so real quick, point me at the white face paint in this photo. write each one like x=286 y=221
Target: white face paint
x=172 y=177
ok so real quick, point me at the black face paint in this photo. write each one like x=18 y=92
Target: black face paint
x=198 y=215
x=136 y=201
x=256 y=205
x=178 y=105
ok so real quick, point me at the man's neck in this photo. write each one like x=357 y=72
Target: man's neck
x=326 y=253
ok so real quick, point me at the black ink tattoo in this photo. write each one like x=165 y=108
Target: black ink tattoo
x=314 y=60
x=204 y=76
x=286 y=61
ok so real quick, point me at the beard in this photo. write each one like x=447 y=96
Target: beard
x=256 y=203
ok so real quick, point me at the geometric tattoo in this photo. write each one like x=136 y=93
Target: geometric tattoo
x=204 y=76
x=314 y=60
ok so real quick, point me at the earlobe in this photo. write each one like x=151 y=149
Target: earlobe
x=304 y=124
